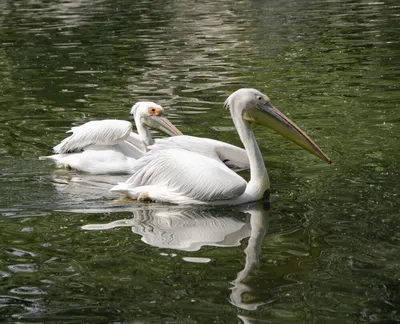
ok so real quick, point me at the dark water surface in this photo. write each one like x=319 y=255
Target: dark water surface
x=326 y=250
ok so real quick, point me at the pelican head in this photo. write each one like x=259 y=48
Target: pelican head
x=256 y=108
x=151 y=115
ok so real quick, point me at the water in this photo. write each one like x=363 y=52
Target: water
x=326 y=248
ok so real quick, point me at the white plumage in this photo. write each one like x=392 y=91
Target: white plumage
x=182 y=177
x=110 y=146
x=96 y=132
x=232 y=156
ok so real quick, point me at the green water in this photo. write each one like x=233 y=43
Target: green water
x=325 y=250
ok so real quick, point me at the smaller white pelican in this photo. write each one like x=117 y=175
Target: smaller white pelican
x=110 y=146
x=182 y=177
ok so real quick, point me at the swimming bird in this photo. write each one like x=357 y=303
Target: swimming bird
x=182 y=177
x=110 y=145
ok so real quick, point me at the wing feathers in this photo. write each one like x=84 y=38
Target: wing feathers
x=187 y=174
x=235 y=157
x=97 y=132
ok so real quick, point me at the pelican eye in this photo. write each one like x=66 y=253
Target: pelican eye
x=259 y=98
x=153 y=111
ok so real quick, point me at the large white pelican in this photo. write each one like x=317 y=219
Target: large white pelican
x=182 y=177
x=110 y=146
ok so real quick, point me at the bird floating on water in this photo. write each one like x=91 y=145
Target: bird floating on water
x=110 y=145
x=180 y=176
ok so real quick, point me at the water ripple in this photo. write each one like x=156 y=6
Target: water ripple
x=18 y=252
x=27 y=291
x=23 y=268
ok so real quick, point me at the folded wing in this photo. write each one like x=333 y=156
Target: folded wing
x=180 y=173
x=97 y=132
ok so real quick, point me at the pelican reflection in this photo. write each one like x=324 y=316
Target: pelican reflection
x=189 y=229
x=183 y=228
x=242 y=294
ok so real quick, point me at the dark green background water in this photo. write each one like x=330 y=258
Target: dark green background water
x=327 y=248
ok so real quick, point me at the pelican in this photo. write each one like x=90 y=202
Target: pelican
x=182 y=177
x=110 y=146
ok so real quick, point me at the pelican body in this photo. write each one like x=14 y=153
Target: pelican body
x=180 y=176
x=110 y=146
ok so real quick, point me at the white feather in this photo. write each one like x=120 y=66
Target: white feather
x=107 y=160
x=180 y=176
x=105 y=146
x=99 y=147
x=232 y=156
x=97 y=132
